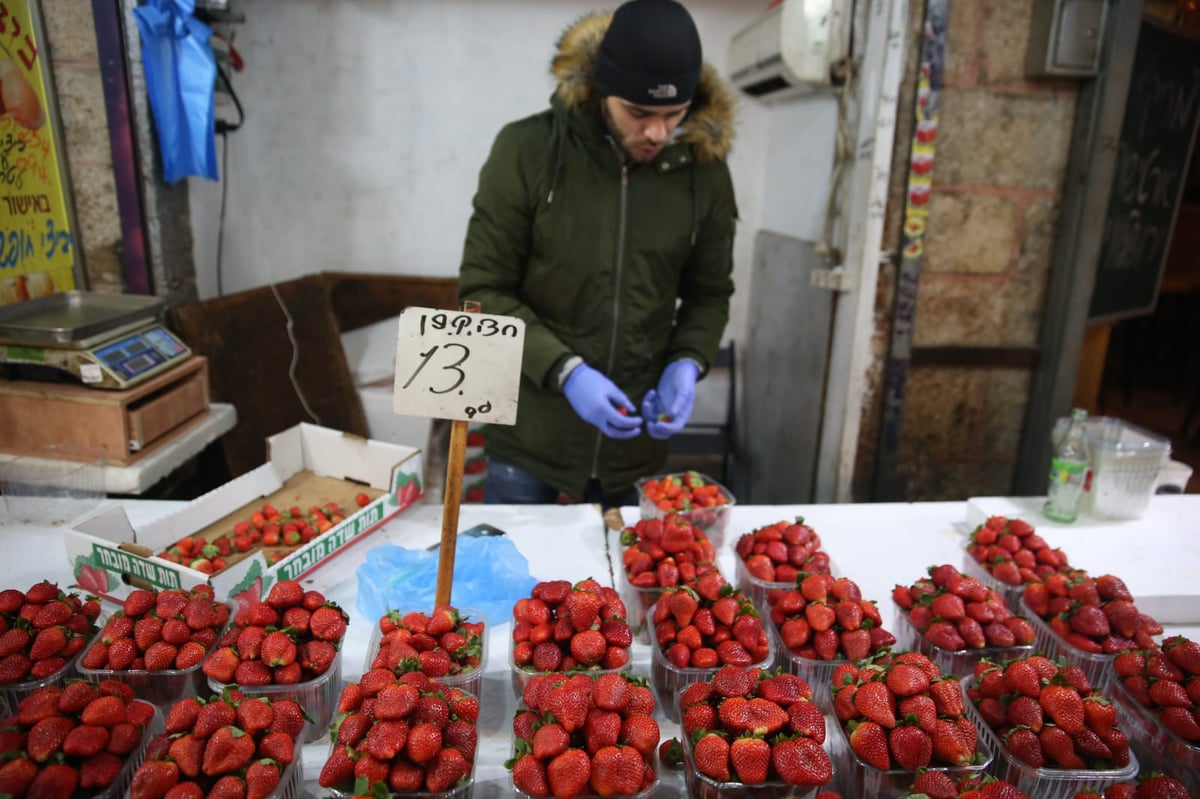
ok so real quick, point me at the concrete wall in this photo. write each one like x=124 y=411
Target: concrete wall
x=77 y=83
x=997 y=182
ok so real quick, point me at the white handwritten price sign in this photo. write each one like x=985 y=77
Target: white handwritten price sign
x=455 y=365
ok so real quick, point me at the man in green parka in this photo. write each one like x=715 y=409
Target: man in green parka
x=606 y=222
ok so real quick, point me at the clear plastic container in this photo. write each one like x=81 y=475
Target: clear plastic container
x=645 y=793
x=1097 y=667
x=960 y=663
x=667 y=678
x=637 y=601
x=161 y=688
x=318 y=697
x=1047 y=783
x=1157 y=748
x=462 y=791
x=817 y=673
x=470 y=681
x=521 y=677
x=1126 y=460
x=857 y=778
x=1009 y=594
x=758 y=589
x=702 y=786
x=712 y=521
x=52 y=489
x=14 y=692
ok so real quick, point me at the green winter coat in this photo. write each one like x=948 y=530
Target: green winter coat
x=594 y=256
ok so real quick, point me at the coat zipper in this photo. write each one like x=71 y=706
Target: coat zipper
x=616 y=307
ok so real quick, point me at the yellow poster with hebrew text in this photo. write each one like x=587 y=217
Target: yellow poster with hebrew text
x=37 y=252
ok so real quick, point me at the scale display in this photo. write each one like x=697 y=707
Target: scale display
x=118 y=360
x=143 y=352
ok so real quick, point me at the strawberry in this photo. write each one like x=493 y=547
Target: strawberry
x=935 y=785
x=1160 y=786
x=911 y=747
x=285 y=594
x=711 y=753
x=670 y=753
x=1183 y=653
x=447 y=768
x=588 y=647
x=153 y=779
x=751 y=759
x=188 y=753
x=55 y=781
x=99 y=770
x=1064 y=706
x=424 y=742
x=954 y=742
x=229 y=786
x=640 y=731
x=16 y=775
x=182 y=715
x=85 y=741
x=529 y=776
x=569 y=773
x=1023 y=744
x=262 y=777
x=211 y=717
x=278 y=746
x=801 y=761
x=227 y=750
x=47 y=736
x=328 y=623
x=617 y=770
x=278 y=649
x=869 y=741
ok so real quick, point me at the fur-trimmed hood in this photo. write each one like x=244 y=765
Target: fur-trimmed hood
x=709 y=123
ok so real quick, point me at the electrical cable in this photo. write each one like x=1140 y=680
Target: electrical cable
x=295 y=356
x=223 y=129
x=842 y=154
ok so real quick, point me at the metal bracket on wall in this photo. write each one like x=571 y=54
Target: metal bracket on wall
x=835 y=279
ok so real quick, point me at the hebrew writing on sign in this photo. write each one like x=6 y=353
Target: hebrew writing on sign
x=37 y=253
x=457 y=365
x=1157 y=136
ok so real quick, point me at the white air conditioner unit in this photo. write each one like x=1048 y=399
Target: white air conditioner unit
x=799 y=46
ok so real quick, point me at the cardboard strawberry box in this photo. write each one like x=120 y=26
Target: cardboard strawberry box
x=306 y=465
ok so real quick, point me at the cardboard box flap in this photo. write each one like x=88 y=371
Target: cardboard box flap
x=111 y=525
x=333 y=453
x=210 y=507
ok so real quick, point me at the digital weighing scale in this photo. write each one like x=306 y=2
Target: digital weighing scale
x=111 y=341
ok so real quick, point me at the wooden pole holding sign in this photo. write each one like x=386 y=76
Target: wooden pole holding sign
x=462 y=366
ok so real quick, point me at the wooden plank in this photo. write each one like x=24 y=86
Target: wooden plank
x=246 y=338
x=359 y=300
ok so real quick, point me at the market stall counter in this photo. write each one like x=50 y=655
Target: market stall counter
x=876 y=545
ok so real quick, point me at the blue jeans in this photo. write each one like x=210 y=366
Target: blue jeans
x=509 y=485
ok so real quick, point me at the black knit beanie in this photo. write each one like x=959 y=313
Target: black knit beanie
x=650 y=54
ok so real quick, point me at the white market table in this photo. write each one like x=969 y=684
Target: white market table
x=877 y=545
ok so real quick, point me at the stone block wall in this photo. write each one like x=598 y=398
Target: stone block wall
x=71 y=36
x=1002 y=152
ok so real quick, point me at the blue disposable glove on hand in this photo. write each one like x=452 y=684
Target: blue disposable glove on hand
x=596 y=399
x=668 y=407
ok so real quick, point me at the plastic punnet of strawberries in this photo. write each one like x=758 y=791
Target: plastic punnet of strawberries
x=1153 y=785
x=899 y=711
x=584 y=734
x=1013 y=553
x=219 y=747
x=69 y=739
x=1048 y=716
x=565 y=627
x=720 y=627
x=1095 y=616
x=939 y=785
x=41 y=630
x=402 y=735
x=826 y=618
x=780 y=552
x=444 y=643
x=157 y=631
x=955 y=612
x=292 y=637
x=682 y=492
x=1166 y=682
x=751 y=727
x=664 y=552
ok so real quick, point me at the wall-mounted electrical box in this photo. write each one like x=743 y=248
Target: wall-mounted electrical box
x=1065 y=38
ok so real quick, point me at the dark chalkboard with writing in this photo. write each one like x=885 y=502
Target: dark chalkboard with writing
x=1157 y=136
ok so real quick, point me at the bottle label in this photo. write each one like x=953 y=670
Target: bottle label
x=1064 y=472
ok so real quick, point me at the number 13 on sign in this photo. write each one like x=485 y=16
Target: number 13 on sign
x=456 y=365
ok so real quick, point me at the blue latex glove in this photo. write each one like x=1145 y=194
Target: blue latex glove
x=668 y=407
x=596 y=399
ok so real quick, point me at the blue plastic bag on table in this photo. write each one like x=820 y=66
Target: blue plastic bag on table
x=180 y=78
x=490 y=575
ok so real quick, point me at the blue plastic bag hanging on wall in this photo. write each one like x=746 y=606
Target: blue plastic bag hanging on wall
x=490 y=575
x=180 y=77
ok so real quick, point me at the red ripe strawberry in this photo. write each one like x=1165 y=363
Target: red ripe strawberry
x=47 y=736
x=49 y=642
x=76 y=696
x=262 y=777
x=16 y=775
x=550 y=740
x=463 y=736
x=751 y=759
x=277 y=746
x=153 y=779
x=602 y=728
x=447 y=768
x=227 y=750
x=954 y=741
x=1180 y=721
x=611 y=692
x=875 y=702
x=617 y=770
x=327 y=623
x=569 y=773
x=869 y=742
x=1160 y=786
x=801 y=761
x=85 y=741
x=529 y=776
x=222 y=664
x=56 y=781
x=1058 y=747
x=188 y=753
x=230 y=786
x=182 y=715
x=806 y=719
x=935 y=785
x=13 y=641
x=641 y=732
x=190 y=655
x=569 y=705
x=1168 y=693
x=588 y=647
x=1064 y=706
x=1183 y=653
x=99 y=770
x=338 y=768
x=211 y=717
x=424 y=742
x=139 y=603
x=911 y=747
x=1023 y=744
x=285 y=594
x=711 y=754
x=123 y=739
